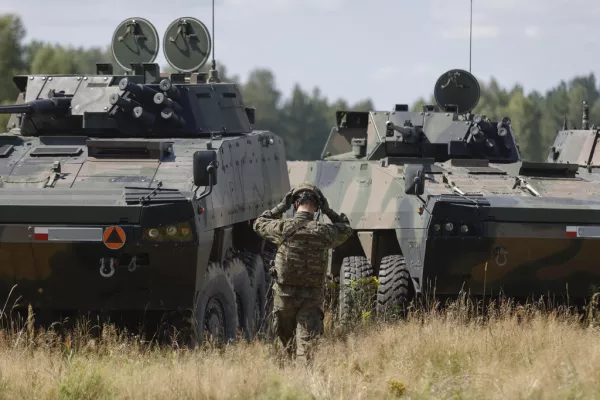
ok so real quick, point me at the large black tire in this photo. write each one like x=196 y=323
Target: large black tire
x=215 y=310
x=393 y=293
x=256 y=271
x=245 y=298
x=353 y=268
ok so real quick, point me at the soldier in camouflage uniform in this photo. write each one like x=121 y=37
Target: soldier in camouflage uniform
x=301 y=264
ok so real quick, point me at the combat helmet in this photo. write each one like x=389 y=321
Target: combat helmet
x=307 y=190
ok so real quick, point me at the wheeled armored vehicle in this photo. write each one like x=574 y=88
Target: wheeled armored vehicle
x=441 y=201
x=134 y=192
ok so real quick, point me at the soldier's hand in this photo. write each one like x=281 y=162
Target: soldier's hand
x=323 y=202
x=289 y=198
x=285 y=203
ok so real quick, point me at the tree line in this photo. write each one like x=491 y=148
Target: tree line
x=304 y=118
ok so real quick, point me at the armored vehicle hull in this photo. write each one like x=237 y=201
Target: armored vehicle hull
x=53 y=239
x=441 y=201
x=515 y=243
x=137 y=193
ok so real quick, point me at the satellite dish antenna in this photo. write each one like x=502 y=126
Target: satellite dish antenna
x=187 y=44
x=135 y=41
x=457 y=88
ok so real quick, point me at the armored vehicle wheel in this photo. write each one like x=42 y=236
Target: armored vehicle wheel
x=353 y=268
x=215 y=311
x=394 y=280
x=244 y=296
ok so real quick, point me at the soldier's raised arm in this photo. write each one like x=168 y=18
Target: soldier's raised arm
x=269 y=224
x=340 y=225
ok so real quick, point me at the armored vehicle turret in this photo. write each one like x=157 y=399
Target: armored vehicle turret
x=441 y=197
x=578 y=147
x=136 y=191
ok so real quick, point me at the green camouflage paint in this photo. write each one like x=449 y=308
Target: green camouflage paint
x=509 y=215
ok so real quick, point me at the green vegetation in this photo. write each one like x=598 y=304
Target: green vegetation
x=305 y=117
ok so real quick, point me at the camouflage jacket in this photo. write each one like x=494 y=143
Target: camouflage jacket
x=301 y=261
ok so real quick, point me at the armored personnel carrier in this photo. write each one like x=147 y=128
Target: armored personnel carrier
x=440 y=199
x=136 y=192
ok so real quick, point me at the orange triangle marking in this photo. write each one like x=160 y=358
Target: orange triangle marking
x=114 y=237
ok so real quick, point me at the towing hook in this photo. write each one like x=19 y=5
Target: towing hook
x=132 y=264
x=107 y=269
x=501 y=254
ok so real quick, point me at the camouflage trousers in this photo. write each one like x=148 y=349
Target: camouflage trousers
x=299 y=318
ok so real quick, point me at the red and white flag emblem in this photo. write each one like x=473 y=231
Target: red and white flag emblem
x=40 y=233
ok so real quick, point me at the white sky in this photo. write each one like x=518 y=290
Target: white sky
x=389 y=50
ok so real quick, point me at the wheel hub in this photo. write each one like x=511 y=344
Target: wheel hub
x=214 y=318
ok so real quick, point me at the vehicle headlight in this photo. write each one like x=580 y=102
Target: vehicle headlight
x=181 y=232
x=449 y=226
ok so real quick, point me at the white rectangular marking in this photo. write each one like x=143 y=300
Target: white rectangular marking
x=75 y=234
x=588 y=231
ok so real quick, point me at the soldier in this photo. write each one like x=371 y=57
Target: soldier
x=301 y=264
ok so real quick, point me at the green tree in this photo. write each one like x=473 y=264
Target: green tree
x=260 y=91
x=12 y=33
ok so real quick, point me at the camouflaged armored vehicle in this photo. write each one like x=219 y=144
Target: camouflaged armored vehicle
x=132 y=192
x=441 y=199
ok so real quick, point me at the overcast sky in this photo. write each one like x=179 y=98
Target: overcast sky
x=389 y=50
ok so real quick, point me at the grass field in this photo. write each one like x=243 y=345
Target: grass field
x=508 y=352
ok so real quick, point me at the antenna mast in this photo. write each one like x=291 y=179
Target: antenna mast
x=470 y=36
x=214 y=74
x=214 y=62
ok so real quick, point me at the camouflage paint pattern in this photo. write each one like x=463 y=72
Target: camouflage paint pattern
x=302 y=245
x=75 y=168
x=300 y=270
x=299 y=318
x=518 y=227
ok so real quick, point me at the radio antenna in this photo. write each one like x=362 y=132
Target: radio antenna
x=214 y=62
x=470 y=37
x=213 y=74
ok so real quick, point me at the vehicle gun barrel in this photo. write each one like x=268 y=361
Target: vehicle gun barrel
x=39 y=106
x=409 y=133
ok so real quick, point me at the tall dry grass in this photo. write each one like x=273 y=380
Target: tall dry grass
x=507 y=352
